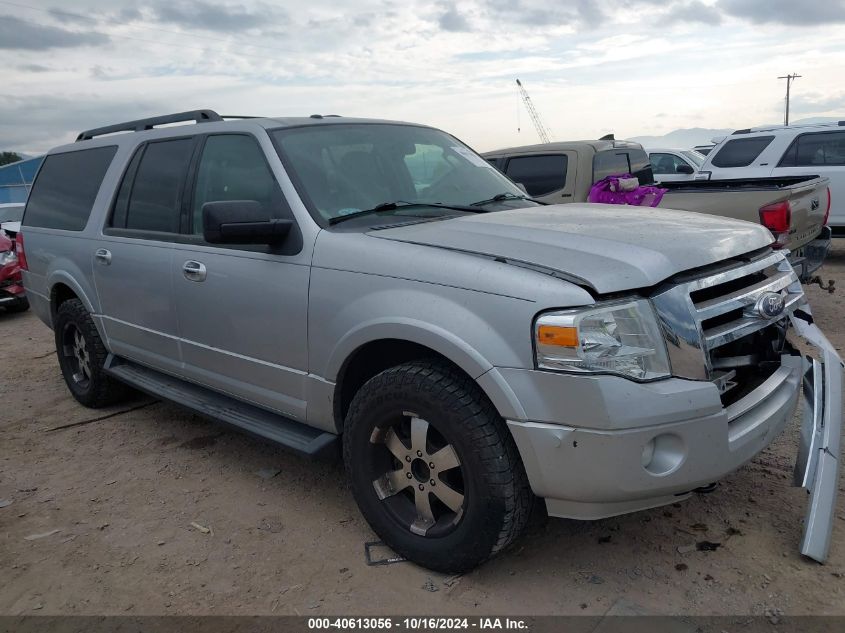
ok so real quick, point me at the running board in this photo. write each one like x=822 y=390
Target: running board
x=211 y=404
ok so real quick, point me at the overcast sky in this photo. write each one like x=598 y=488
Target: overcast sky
x=632 y=67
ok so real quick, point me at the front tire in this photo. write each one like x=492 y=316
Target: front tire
x=82 y=355
x=434 y=468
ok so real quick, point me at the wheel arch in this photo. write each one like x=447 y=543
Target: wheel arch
x=370 y=355
x=63 y=287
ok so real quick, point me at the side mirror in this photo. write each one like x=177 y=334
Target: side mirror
x=684 y=169
x=522 y=187
x=241 y=222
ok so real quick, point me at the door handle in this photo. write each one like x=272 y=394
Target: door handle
x=194 y=271
x=103 y=256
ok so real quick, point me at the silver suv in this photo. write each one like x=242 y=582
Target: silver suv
x=326 y=281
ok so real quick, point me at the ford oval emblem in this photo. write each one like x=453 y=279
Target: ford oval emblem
x=770 y=305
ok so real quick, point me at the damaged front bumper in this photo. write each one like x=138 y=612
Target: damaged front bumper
x=817 y=464
x=809 y=258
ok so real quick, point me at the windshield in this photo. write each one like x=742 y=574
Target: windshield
x=697 y=158
x=342 y=169
x=12 y=213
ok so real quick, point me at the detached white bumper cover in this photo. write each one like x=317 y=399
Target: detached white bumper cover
x=817 y=464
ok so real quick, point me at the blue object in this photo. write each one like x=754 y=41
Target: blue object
x=16 y=179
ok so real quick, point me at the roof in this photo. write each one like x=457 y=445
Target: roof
x=787 y=128
x=558 y=146
x=169 y=125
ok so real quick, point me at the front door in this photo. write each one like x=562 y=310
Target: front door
x=242 y=309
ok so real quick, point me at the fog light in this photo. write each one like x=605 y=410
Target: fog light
x=663 y=454
x=648 y=453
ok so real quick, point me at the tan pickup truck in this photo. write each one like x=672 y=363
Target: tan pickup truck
x=794 y=209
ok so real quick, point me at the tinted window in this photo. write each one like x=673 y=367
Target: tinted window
x=156 y=192
x=615 y=162
x=233 y=167
x=66 y=187
x=666 y=163
x=740 y=152
x=822 y=148
x=538 y=174
x=118 y=218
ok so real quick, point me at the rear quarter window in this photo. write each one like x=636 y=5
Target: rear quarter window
x=618 y=161
x=740 y=152
x=815 y=149
x=65 y=188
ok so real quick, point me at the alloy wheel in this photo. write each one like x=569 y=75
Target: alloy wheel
x=418 y=476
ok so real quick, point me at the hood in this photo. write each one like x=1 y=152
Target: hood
x=610 y=247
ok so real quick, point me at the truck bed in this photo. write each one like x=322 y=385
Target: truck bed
x=742 y=199
x=745 y=184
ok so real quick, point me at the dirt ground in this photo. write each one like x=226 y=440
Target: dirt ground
x=156 y=511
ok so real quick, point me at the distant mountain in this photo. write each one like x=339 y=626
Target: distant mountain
x=682 y=139
x=690 y=137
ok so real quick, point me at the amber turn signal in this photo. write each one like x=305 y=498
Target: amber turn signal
x=557 y=335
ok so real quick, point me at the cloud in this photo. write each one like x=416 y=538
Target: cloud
x=453 y=21
x=692 y=12
x=72 y=18
x=51 y=120
x=215 y=17
x=816 y=102
x=791 y=12
x=591 y=13
x=17 y=34
x=34 y=68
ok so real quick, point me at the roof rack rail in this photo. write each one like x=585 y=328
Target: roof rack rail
x=743 y=131
x=198 y=116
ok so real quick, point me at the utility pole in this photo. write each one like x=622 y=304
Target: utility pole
x=789 y=78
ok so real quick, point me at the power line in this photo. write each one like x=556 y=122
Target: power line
x=789 y=79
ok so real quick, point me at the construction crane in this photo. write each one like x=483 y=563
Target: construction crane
x=542 y=130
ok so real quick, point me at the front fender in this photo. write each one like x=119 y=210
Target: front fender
x=414 y=331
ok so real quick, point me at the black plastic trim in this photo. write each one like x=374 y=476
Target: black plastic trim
x=140 y=125
x=219 y=407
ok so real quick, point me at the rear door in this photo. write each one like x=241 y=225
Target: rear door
x=242 y=309
x=132 y=262
x=820 y=154
x=547 y=177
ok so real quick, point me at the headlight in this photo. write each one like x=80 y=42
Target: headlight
x=615 y=338
x=8 y=257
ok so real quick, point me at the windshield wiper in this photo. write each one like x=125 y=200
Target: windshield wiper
x=398 y=204
x=501 y=197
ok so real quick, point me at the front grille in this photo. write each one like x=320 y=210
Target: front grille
x=714 y=330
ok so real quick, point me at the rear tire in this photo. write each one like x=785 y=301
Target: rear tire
x=82 y=355
x=21 y=305
x=433 y=467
